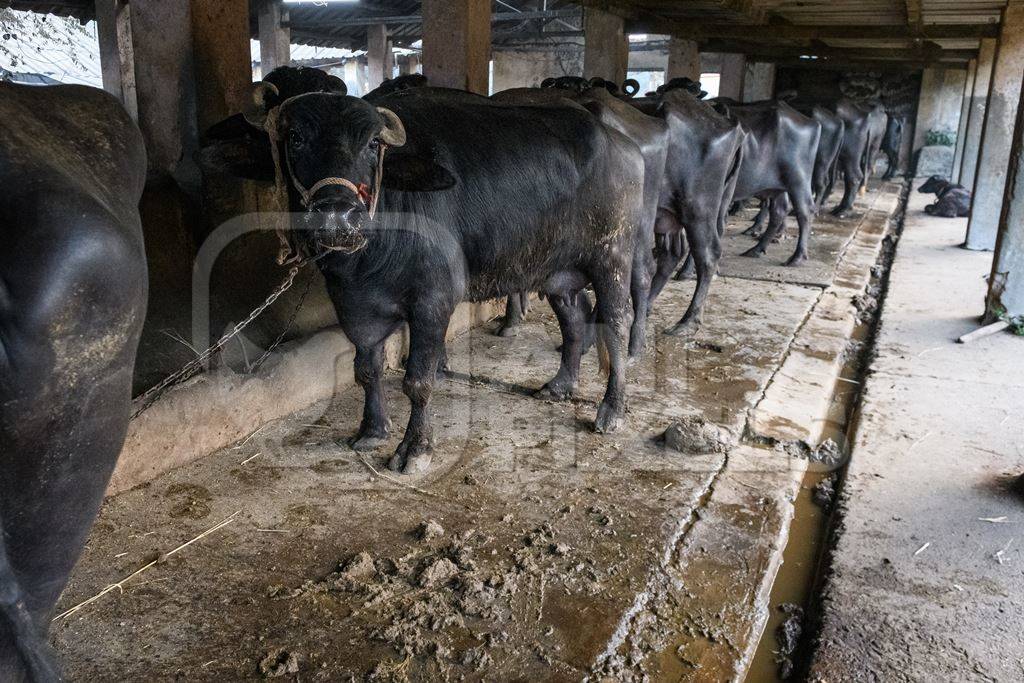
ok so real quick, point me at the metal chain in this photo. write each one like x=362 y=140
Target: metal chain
x=287 y=326
x=149 y=397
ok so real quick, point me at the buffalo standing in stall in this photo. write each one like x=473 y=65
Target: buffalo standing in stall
x=779 y=153
x=72 y=302
x=891 y=143
x=862 y=139
x=825 y=164
x=481 y=201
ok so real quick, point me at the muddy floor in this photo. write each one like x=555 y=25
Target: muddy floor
x=527 y=551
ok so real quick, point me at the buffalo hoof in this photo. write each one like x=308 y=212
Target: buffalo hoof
x=754 y=252
x=412 y=456
x=796 y=259
x=507 y=330
x=370 y=441
x=840 y=212
x=683 y=329
x=609 y=418
x=554 y=391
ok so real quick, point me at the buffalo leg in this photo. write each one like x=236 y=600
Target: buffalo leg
x=706 y=249
x=852 y=177
x=639 y=289
x=613 y=328
x=687 y=271
x=369 y=371
x=779 y=211
x=757 y=226
x=668 y=252
x=573 y=319
x=803 y=204
x=426 y=344
x=515 y=312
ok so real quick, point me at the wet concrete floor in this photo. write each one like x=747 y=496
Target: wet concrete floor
x=533 y=549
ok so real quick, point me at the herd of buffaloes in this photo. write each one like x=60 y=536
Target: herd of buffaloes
x=411 y=199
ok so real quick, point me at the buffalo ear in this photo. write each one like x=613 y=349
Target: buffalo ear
x=246 y=156
x=413 y=173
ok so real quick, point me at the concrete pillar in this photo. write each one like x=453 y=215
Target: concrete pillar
x=223 y=59
x=1003 y=98
x=758 y=82
x=683 y=59
x=377 y=54
x=965 y=117
x=606 y=47
x=976 y=117
x=413 y=64
x=275 y=39
x=1006 y=285
x=733 y=74
x=457 y=43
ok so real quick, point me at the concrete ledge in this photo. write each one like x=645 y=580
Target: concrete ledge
x=219 y=408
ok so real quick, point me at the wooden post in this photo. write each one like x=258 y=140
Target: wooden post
x=377 y=54
x=457 y=44
x=117 y=52
x=1003 y=98
x=683 y=59
x=275 y=38
x=606 y=48
x=733 y=73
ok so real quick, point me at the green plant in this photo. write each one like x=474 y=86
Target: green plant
x=940 y=138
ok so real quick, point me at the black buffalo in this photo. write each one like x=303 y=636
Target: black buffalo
x=72 y=301
x=862 y=140
x=953 y=201
x=649 y=135
x=705 y=155
x=891 y=143
x=779 y=153
x=480 y=200
x=825 y=164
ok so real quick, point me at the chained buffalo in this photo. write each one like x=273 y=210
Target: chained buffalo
x=426 y=200
x=891 y=143
x=779 y=155
x=952 y=200
x=72 y=302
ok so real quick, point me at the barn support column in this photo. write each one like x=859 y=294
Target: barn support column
x=965 y=117
x=1003 y=98
x=938 y=110
x=683 y=59
x=275 y=38
x=117 y=52
x=734 y=67
x=378 y=54
x=1006 y=285
x=758 y=81
x=606 y=47
x=976 y=116
x=457 y=43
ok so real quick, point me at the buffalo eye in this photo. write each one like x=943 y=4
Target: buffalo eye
x=374 y=144
x=296 y=138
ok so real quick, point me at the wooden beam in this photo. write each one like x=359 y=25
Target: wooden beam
x=696 y=31
x=833 y=64
x=406 y=19
x=914 y=18
x=926 y=53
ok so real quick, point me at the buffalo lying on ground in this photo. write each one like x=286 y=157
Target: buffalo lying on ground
x=480 y=200
x=862 y=139
x=779 y=155
x=72 y=302
x=954 y=201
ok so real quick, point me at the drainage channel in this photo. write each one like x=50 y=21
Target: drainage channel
x=794 y=593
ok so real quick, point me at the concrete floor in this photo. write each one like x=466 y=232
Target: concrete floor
x=927 y=576
x=550 y=552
